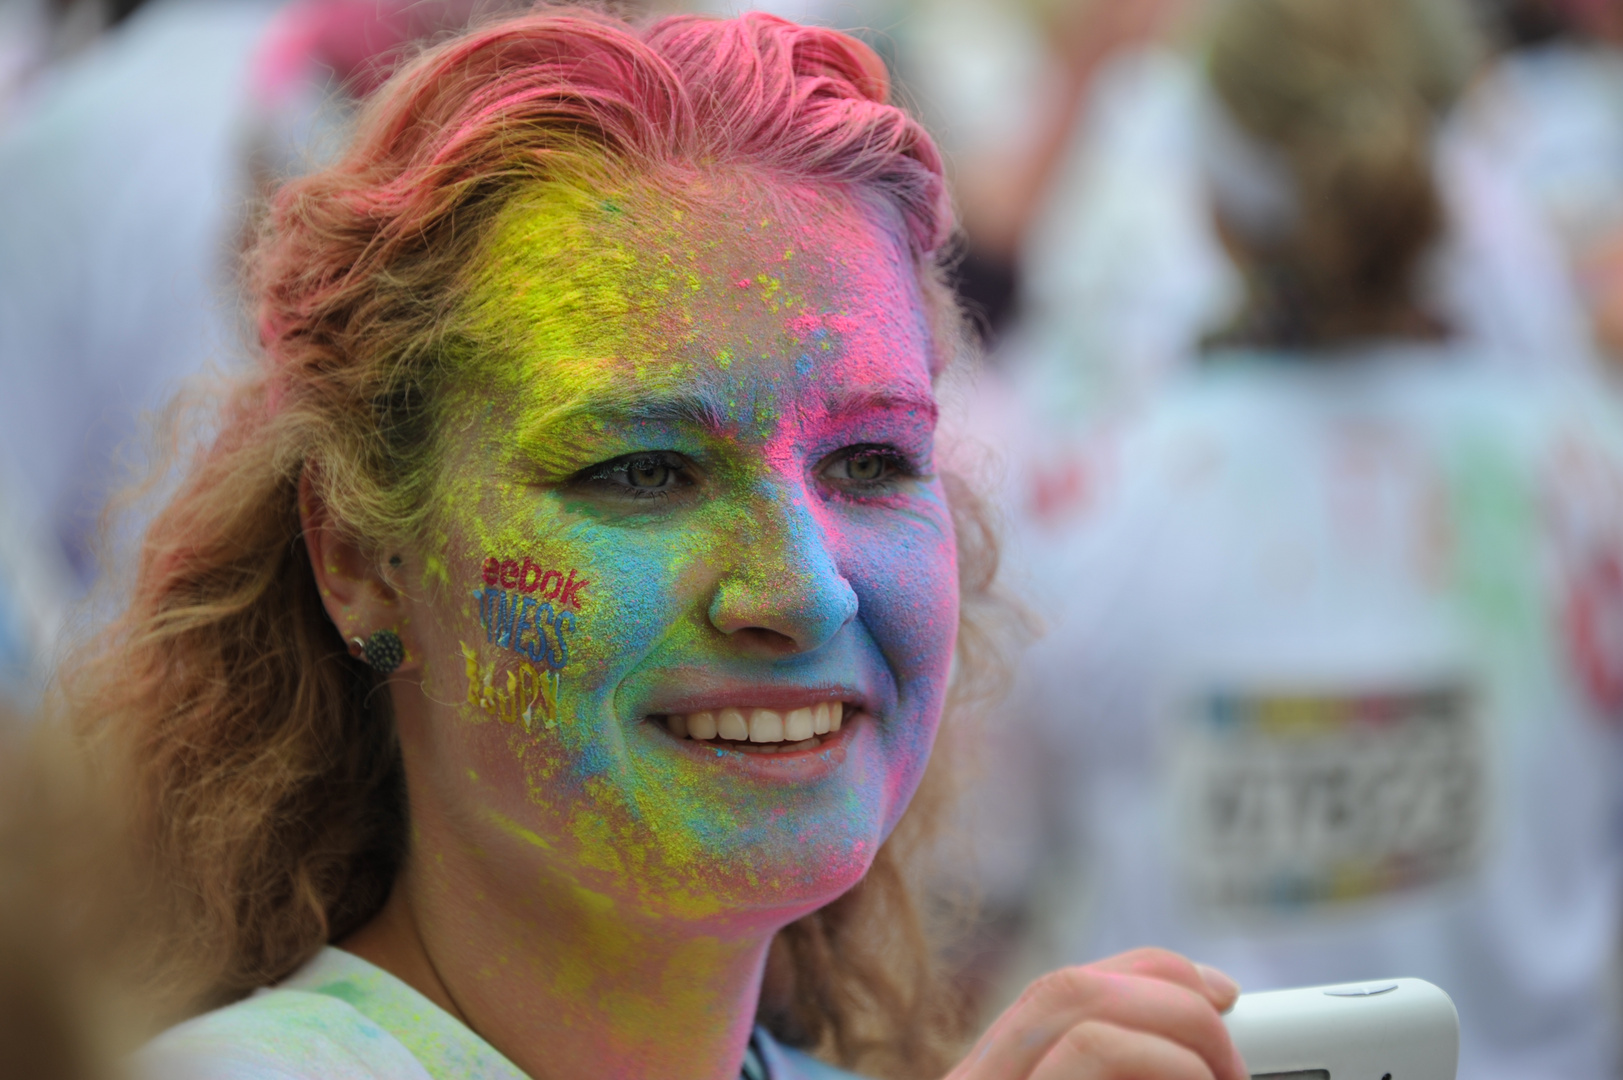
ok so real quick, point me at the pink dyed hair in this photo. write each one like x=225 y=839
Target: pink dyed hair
x=267 y=780
x=799 y=102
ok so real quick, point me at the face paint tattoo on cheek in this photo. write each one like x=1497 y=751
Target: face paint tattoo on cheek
x=529 y=697
x=530 y=611
x=529 y=577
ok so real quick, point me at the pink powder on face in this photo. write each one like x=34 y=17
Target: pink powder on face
x=832 y=352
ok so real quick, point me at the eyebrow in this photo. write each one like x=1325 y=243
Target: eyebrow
x=699 y=411
x=690 y=410
x=864 y=401
x=695 y=411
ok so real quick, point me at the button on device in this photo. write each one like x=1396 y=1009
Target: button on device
x=1362 y=989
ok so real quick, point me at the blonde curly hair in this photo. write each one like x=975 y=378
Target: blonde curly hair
x=267 y=781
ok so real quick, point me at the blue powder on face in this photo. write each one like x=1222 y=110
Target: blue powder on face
x=767 y=532
x=595 y=758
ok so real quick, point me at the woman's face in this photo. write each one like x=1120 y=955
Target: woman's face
x=696 y=493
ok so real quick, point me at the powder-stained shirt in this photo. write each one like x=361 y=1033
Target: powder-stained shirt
x=341 y=1018
x=1333 y=690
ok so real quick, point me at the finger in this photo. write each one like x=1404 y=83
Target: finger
x=1167 y=966
x=1058 y=1002
x=1169 y=1010
x=1095 y=1050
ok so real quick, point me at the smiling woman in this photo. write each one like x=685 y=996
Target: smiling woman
x=533 y=676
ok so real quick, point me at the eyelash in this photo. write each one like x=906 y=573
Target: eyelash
x=616 y=472
x=898 y=464
x=622 y=467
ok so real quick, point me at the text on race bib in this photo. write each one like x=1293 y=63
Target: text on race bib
x=1288 y=800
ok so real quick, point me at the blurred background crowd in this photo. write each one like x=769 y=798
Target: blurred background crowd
x=1303 y=330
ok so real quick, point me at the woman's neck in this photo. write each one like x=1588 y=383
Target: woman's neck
x=565 y=986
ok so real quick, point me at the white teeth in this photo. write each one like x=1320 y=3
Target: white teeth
x=730 y=724
x=766 y=726
x=798 y=725
x=702 y=725
x=766 y=730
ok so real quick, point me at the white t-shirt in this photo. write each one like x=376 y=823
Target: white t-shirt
x=121 y=191
x=341 y=1018
x=1552 y=114
x=36 y=590
x=1333 y=691
x=1123 y=272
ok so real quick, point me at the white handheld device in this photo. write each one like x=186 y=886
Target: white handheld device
x=1390 y=1029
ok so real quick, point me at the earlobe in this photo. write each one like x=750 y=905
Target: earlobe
x=383 y=652
x=360 y=599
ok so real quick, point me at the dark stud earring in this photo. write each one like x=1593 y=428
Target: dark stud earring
x=383 y=651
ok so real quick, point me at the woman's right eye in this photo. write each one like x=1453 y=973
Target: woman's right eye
x=639 y=476
x=648 y=474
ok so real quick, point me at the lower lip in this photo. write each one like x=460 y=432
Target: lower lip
x=807 y=764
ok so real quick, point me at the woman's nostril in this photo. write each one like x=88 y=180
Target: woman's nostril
x=765 y=639
x=797 y=614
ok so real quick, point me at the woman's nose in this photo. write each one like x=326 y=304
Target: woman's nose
x=782 y=591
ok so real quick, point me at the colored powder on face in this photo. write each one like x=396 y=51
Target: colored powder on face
x=601 y=327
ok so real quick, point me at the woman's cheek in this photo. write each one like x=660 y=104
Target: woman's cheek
x=549 y=634
x=908 y=585
x=908 y=589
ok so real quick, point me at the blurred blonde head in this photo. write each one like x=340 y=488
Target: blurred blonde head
x=1335 y=104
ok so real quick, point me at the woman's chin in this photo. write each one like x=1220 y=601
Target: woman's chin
x=751 y=905
x=765 y=860
x=710 y=832
x=774 y=872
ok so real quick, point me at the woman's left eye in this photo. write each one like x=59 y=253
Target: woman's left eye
x=867 y=466
x=640 y=476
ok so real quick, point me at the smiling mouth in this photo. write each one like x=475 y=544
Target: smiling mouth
x=761 y=731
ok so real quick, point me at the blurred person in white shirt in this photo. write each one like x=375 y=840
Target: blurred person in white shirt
x=36 y=590
x=129 y=175
x=1550 y=111
x=1333 y=688
x=1122 y=272
x=120 y=197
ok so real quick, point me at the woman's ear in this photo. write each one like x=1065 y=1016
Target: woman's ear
x=355 y=586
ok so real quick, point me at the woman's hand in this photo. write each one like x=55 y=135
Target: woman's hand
x=1144 y=1015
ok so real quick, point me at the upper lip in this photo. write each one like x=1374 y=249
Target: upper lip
x=756 y=696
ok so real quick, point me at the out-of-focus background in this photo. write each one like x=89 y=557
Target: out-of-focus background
x=1303 y=324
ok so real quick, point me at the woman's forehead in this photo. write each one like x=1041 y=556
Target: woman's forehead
x=586 y=293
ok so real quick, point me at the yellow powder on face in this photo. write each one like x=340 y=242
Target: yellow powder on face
x=580 y=302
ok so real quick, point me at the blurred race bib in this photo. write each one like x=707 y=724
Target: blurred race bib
x=1290 y=800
